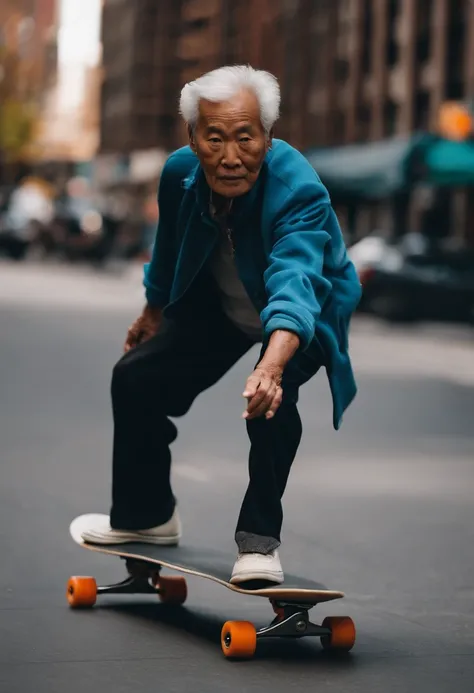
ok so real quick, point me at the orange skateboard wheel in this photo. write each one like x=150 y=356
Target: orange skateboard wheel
x=343 y=633
x=238 y=639
x=81 y=591
x=172 y=590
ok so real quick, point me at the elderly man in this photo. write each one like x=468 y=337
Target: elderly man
x=248 y=250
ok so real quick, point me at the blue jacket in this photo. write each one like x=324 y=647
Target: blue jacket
x=290 y=255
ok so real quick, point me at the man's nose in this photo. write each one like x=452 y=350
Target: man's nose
x=231 y=158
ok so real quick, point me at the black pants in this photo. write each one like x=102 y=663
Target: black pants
x=160 y=378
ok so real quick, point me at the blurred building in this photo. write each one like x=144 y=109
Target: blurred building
x=91 y=104
x=141 y=74
x=385 y=67
x=350 y=71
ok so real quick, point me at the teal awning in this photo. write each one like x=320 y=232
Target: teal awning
x=448 y=163
x=377 y=170
x=372 y=170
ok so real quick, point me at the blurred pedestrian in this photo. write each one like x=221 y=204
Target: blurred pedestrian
x=248 y=250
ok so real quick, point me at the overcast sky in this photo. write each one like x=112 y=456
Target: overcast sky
x=79 y=31
x=78 y=48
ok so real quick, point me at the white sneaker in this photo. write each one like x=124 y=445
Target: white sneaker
x=257 y=566
x=96 y=529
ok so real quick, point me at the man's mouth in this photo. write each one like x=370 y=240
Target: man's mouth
x=230 y=178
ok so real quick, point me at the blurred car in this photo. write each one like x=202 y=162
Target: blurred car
x=414 y=279
x=25 y=213
x=81 y=231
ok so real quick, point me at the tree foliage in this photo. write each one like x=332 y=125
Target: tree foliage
x=17 y=127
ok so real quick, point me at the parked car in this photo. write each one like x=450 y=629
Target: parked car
x=24 y=214
x=82 y=232
x=414 y=279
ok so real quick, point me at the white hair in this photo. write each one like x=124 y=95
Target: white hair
x=222 y=84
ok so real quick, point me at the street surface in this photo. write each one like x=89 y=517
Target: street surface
x=382 y=510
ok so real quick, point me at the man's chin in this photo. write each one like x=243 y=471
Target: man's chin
x=231 y=188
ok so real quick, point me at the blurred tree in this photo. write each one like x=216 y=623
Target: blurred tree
x=17 y=114
x=17 y=127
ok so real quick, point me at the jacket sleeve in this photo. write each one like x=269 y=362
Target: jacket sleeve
x=295 y=285
x=159 y=272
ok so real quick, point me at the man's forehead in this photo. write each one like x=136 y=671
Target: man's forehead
x=243 y=106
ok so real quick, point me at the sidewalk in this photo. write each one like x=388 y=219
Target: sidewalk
x=52 y=285
x=425 y=350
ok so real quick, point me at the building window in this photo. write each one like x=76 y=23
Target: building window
x=393 y=50
x=363 y=123
x=422 y=111
x=341 y=71
x=339 y=127
x=230 y=37
x=456 y=51
x=390 y=118
x=423 y=48
x=197 y=24
x=367 y=41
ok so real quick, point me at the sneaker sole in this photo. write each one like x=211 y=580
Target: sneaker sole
x=132 y=538
x=257 y=575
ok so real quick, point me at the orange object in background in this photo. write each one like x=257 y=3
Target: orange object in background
x=455 y=121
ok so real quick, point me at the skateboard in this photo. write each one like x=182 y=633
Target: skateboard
x=291 y=601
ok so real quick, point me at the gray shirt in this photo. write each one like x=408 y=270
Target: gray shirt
x=236 y=303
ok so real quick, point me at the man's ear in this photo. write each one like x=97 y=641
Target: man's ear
x=192 y=141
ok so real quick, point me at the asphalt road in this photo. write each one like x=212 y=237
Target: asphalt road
x=382 y=510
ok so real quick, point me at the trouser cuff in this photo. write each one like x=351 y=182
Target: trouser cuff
x=255 y=543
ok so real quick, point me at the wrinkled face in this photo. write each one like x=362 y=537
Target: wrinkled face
x=230 y=143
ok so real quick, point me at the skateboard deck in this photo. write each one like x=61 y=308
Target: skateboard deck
x=291 y=601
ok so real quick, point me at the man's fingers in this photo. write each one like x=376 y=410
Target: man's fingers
x=262 y=409
x=251 y=386
x=132 y=338
x=275 y=404
x=259 y=396
x=260 y=403
x=268 y=406
x=141 y=336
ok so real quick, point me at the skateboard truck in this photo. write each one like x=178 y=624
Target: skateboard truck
x=292 y=620
x=140 y=580
x=131 y=585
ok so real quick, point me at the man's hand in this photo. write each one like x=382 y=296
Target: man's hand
x=263 y=392
x=263 y=389
x=144 y=327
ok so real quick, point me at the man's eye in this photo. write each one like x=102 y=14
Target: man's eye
x=244 y=139
x=214 y=139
